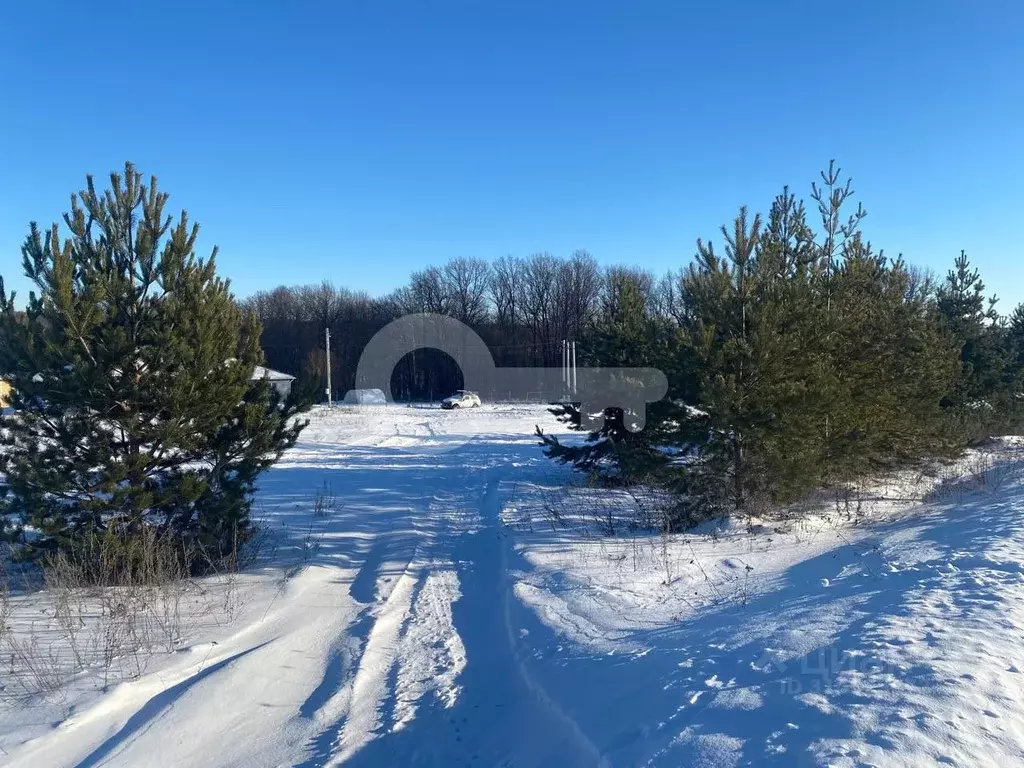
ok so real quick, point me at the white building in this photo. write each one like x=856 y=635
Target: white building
x=282 y=382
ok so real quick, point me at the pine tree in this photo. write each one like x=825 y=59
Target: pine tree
x=790 y=334
x=807 y=359
x=135 y=404
x=1015 y=343
x=972 y=321
x=629 y=334
x=893 y=365
x=756 y=325
x=720 y=292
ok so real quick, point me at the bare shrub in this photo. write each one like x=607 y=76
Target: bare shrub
x=145 y=557
x=553 y=504
x=325 y=503
x=259 y=546
x=849 y=503
x=32 y=668
x=604 y=519
x=311 y=544
x=979 y=471
x=107 y=603
x=124 y=593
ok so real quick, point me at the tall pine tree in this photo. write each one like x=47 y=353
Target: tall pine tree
x=892 y=365
x=1015 y=344
x=754 y=322
x=978 y=401
x=135 y=404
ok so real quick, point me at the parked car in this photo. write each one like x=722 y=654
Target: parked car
x=461 y=399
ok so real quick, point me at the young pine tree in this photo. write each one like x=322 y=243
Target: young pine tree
x=1015 y=344
x=720 y=292
x=135 y=404
x=628 y=333
x=755 y=324
x=979 y=397
x=892 y=365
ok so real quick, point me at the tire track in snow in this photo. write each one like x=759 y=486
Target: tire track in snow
x=502 y=715
x=431 y=655
x=358 y=697
x=369 y=687
x=373 y=702
x=590 y=754
x=351 y=712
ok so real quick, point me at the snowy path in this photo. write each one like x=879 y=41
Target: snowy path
x=400 y=635
x=366 y=645
x=503 y=716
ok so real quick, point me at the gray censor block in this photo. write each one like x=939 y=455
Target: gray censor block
x=596 y=389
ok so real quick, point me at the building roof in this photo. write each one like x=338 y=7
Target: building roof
x=270 y=374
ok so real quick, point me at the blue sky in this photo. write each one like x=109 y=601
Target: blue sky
x=357 y=141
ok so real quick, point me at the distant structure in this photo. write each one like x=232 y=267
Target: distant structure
x=282 y=382
x=365 y=397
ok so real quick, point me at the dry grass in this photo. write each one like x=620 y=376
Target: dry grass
x=100 y=613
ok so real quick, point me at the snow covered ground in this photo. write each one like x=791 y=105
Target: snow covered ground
x=437 y=593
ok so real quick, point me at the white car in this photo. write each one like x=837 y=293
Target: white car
x=461 y=399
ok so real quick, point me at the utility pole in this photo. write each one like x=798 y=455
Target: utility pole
x=565 y=364
x=327 y=333
x=574 y=367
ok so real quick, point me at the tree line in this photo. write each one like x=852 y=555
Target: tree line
x=523 y=308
